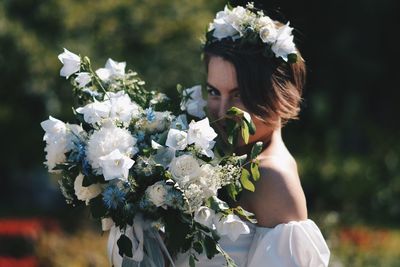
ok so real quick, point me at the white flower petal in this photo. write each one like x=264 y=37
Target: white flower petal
x=86 y=193
x=231 y=226
x=71 y=61
x=104 y=74
x=205 y=216
x=115 y=165
x=83 y=78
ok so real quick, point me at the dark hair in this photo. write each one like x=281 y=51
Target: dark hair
x=270 y=88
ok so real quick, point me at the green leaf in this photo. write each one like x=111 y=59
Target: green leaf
x=255 y=172
x=86 y=60
x=250 y=123
x=232 y=136
x=215 y=235
x=88 y=180
x=234 y=111
x=252 y=127
x=246 y=116
x=124 y=246
x=63 y=167
x=97 y=207
x=248 y=215
x=217 y=204
x=232 y=192
x=256 y=150
x=245 y=132
x=191 y=261
x=242 y=159
x=210 y=246
x=245 y=180
x=198 y=247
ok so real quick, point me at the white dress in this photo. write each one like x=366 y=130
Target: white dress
x=293 y=244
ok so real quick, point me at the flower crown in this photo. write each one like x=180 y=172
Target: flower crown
x=251 y=26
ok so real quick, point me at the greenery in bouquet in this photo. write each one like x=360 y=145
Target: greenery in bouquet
x=148 y=168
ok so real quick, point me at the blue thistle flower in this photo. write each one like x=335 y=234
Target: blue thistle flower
x=150 y=116
x=144 y=204
x=140 y=136
x=78 y=153
x=113 y=197
x=85 y=167
x=81 y=151
x=174 y=199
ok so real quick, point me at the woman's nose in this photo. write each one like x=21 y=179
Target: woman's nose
x=225 y=104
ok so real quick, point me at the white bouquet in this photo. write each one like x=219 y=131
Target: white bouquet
x=143 y=170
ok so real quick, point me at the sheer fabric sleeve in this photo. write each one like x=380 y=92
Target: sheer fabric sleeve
x=293 y=244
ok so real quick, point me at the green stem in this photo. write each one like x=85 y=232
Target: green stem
x=218 y=119
x=97 y=79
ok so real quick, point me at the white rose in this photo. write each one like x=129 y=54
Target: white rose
x=284 y=44
x=238 y=17
x=205 y=216
x=265 y=21
x=195 y=103
x=176 y=139
x=83 y=78
x=231 y=226
x=268 y=34
x=202 y=135
x=184 y=168
x=95 y=112
x=209 y=180
x=223 y=29
x=222 y=25
x=156 y=193
x=71 y=61
x=115 y=165
x=85 y=193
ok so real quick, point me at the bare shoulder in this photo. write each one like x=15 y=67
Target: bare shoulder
x=279 y=197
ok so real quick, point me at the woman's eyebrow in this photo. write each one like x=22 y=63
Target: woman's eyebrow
x=212 y=87
x=215 y=88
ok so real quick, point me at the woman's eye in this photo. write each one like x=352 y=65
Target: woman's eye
x=236 y=95
x=212 y=91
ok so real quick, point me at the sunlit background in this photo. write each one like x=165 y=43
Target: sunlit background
x=346 y=141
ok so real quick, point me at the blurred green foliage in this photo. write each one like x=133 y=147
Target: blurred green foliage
x=345 y=142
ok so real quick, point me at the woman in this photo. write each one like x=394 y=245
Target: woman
x=252 y=63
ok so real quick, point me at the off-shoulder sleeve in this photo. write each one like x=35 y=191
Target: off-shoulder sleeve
x=293 y=244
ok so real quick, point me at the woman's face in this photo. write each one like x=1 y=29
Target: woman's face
x=223 y=93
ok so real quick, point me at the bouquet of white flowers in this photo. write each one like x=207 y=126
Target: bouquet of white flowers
x=143 y=170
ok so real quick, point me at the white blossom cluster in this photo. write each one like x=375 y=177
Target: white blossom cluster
x=60 y=138
x=235 y=22
x=122 y=146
